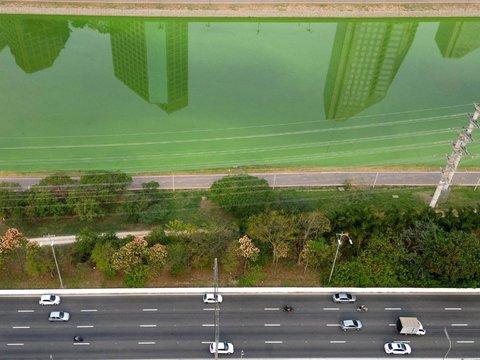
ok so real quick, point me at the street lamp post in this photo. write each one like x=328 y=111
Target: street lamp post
x=55 y=258
x=449 y=343
x=340 y=237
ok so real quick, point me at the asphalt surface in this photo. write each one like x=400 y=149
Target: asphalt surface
x=361 y=178
x=153 y=327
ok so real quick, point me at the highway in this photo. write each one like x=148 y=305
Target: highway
x=176 y=326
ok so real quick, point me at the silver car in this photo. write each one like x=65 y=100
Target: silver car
x=344 y=298
x=59 y=316
x=350 y=325
x=49 y=300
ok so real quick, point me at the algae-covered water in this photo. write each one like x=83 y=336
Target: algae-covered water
x=163 y=95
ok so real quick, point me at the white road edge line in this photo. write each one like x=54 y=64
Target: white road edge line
x=84 y=326
x=273 y=342
x=20 y=327
x=148 y=326
x=271 y=324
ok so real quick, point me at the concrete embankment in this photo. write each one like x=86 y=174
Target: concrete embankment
x=247 y=8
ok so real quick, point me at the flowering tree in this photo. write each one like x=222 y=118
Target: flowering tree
x=247 y=249
x=130 y=255
x=12 y=240
x=157 y=256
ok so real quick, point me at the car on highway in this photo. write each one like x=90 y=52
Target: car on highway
x=212 y=298
x=344 y=298
x=59 y=316
x=223 y=348
x=49 y=300
x=397 y=348
x=350 y=325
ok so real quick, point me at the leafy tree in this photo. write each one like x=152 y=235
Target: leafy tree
x=12 y=200
x=130 y=256
x=310 y=226
x=58 y=185
x=155 y=214
x=157 y=256
x=37 y=260
x=317 y=253
x=275 y=228
x=136 y=276
x=42 y=203
x=102 y=255
x=178 y=258
x=247 y=250
x=242 y=195
x=84 y=245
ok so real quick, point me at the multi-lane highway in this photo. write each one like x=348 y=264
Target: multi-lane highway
x=176 y=326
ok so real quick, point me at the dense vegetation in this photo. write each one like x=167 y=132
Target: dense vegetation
x=250 y=228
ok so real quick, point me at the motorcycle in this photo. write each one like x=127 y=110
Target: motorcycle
x=362 y=308
x=287 y=308
x=77 y=339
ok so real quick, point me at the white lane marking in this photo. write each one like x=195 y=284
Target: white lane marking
x=148 y=326
x=271 y=309
x=465 y=341
x=337 y=342
x=81 y=343
x=22 y=311
x=146 y=343
x=392 y=324
x=393 y=308
x=15 y=344
x=84 y=326
x=20 y=327
x=459 y=324
x=333 y=324
x=208 y=324
x=273 y=342
x=89 y=310
x=329 y=309
x=209 y=309
x=402 y=341
x=207 y=342
x=271 y=324
x=149 y=309
x=455 y=309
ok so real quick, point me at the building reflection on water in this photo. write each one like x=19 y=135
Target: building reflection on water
x=152 y=58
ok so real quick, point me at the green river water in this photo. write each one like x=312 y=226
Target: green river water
x=162 y=95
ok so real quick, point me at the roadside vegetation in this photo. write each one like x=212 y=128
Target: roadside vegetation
x=261 y=236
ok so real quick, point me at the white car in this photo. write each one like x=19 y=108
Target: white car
x=350 y=325
x=212 y=299
x=49 y=300
x=344 y=298
x=223 y=348
x=398 y=348
x=59 y=316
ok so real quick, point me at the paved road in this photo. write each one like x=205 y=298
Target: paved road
x=208 y=2
x=365 y=178
x=149 y=327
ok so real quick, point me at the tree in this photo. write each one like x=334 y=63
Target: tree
x=275 y=228
x=242 y=195
x=42 y=203
x=58 y=185
x=157 y=256
x=11 y=240
x=317 y=253
x=37 y=260
x=102 y=255
x=12 y=200
x=130 y=256
x=311 y=225
x=247 y=250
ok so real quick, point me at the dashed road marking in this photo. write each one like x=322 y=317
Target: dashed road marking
x=20 y=327
x=26 y=311
x=337 y=342
x=273 y=342
x=89 y=310
x=208 y=324
x=271 y=324
x=393 y=308
x=271 y=309
x=84 y=326
x=333 y=324
x=148 y=326
x=149 y=309
x=209 y=309
x=146 y=343
x=392 y=324
x=459 y=324
x=15 y=344
x=81 y=343
x=465 y=341
x=454 y=309
x=330 y=309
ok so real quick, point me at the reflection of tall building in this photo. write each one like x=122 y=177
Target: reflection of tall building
x=151 y=58
x=455 y=39
x=365 y=59
x=35 y=43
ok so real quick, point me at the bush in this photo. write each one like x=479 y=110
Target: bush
x=253 y=277
x=136 y=277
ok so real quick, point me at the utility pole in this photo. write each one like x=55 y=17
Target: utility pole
x=55 y=258
x=339 y=241
x=459 y=150
x=217 y=307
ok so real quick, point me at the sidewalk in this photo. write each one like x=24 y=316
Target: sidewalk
x=68 y=239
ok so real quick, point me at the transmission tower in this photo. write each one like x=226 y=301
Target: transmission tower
x=459 y=149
